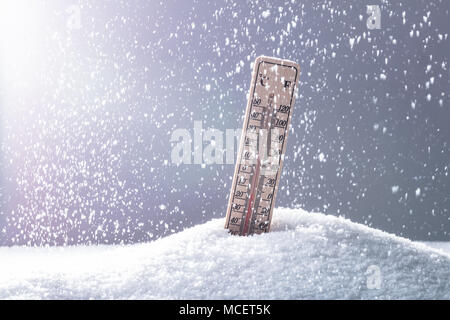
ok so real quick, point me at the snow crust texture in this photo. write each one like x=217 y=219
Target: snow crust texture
x=305 y=256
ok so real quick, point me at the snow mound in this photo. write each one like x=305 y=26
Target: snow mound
x=305 y=256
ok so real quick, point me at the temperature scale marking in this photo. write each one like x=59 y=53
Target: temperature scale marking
x=262 y=146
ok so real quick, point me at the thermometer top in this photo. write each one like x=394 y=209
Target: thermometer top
x=262 y=145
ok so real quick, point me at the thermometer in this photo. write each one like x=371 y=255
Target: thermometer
x=262 y=146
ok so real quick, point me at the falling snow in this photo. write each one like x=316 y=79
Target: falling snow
x=265 y=14
x=88 y=112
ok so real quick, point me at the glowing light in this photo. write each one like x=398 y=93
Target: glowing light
x=20 y=30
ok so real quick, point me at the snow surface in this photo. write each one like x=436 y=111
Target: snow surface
x=439 y=245
x=305 y=256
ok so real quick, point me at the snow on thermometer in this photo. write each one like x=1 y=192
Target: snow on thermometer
x=262 y=146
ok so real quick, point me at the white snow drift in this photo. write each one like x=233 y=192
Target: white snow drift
x=305 y=256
